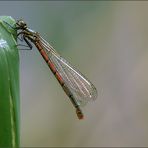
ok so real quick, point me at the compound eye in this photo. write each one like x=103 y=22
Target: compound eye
x=21 y=23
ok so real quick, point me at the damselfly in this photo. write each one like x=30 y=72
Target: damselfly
x=79 y=89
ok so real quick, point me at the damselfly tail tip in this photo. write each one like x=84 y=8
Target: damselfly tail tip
x=79 y=113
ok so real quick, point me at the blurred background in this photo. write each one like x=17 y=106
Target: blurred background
x=108 y=42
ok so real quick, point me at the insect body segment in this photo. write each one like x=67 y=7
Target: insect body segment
x=79 y=89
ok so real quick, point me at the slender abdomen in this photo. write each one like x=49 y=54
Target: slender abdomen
x=59 y=78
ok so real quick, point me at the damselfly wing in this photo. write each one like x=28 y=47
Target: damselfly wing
x=78 y=85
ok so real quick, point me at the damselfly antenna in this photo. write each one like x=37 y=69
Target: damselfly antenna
x=79 y=89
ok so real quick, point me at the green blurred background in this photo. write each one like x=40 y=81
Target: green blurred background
x=108 y=42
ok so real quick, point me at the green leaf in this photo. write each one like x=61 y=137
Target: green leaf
x=9 y=84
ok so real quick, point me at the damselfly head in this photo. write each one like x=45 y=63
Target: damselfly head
x=21 y=24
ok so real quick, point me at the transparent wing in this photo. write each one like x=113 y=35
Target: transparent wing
x=78 y=85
